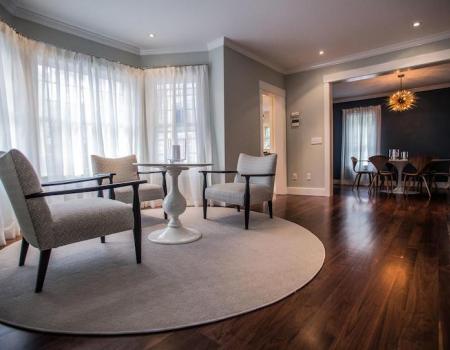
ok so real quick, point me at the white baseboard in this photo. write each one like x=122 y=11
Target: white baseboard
x=308 y=191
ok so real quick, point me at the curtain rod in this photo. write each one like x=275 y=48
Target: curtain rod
x=5 y=22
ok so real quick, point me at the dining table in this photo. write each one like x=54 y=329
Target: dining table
x=400 y=164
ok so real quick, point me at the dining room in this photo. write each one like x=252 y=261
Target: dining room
x=391 y=132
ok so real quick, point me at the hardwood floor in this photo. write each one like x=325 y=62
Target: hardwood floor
x=385 y=284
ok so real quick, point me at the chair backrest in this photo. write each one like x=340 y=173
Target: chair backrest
x=354 y=162
x=420 y=162
x=123 y=167
x=379 y=161
x=20 y=179
x=257 y=165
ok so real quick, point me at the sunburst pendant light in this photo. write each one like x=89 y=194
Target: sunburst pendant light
x=402 y=100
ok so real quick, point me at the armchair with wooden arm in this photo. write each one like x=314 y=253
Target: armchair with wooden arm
x=47 y=225
x=253 y=184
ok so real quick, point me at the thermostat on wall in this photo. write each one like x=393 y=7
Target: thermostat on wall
x=295 y=119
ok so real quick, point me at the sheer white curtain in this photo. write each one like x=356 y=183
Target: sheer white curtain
x=361 y=128
x=59 y=107
x=177 y=112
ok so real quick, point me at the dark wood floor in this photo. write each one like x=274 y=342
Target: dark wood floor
x=385 y=285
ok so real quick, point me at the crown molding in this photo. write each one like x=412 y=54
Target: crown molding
x=32 y=16
x=376 y=52
x=227 y=42
x=173 y=50
x=385 y=94
x=9 y=5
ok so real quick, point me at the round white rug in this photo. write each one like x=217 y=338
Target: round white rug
x=94 y=288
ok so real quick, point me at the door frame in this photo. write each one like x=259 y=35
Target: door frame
x=279 y=123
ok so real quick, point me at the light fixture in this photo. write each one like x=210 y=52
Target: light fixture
x=402 y=100
x=151 y=35
x=416 y=24
x=321 y=52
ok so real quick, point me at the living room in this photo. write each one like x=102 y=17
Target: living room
x=224 y=174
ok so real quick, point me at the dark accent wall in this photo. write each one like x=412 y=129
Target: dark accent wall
x=422 y=130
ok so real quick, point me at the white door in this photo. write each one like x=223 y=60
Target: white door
x=273 y=130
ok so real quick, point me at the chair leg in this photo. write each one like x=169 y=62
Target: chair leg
x=238 y=208
x=354 y=182
x=205 y=207
x=102 y=239
x=247 y=215
x=359 y=180
x=426 y=186
x=137 y=227
x=269 y=203
x=23 y=252
x=42 y=269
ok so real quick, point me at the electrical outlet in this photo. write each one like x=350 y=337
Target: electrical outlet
x=308 y=176
x=294 y=177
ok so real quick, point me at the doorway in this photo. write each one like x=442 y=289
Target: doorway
x=273 y=130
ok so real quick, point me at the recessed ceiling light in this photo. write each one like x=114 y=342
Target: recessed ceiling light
x=321 y=52
x=416 y=24
x=151 y=35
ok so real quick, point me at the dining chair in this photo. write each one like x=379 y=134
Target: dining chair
x=47 y=225
x=359 y=173
x=253 y=184
x=420 y=165
x=380 y=163
x=439 y=169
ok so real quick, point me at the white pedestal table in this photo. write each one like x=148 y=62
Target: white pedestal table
x=174 y=205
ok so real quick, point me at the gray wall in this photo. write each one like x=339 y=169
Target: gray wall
x=242 y=103
x=304 y=93
x=217 y=106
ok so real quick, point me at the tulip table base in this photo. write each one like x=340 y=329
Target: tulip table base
x=174 y=235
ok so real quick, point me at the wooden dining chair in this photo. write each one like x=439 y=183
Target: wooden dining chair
x=380 y=162
x=359 y=173
x=420 y=164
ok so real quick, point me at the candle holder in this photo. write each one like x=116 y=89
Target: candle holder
x=175 y=152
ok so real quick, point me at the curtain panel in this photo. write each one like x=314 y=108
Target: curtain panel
x=59 y=107
x=361 y=132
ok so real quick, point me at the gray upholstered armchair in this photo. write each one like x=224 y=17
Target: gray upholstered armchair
x=47 y=226
x=253 y=184
x=122 y=169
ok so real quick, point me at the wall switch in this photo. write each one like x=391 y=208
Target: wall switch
x=308 y=176
x=316 y=140
x=294 y=177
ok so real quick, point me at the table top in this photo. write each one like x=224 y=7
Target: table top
x=173 y=165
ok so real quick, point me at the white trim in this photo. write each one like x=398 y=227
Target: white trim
x=172 y=50
x=272 y=89
x=307 y=191
x=375 y=52
x=280 y=136
x=328 y=138
x=238 y=48
x=385 y=94
x=389 y=66
x=75 y=30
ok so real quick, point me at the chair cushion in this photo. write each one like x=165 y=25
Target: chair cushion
x=233 y=193
x=81 y=219
x=123 y=167
x=147 y=192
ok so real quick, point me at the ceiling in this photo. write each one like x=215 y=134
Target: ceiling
x=287 y=33
x=423 y=78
